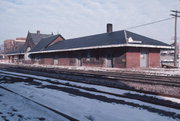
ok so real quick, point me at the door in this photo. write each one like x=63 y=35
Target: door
x=109 y=61
x=79 y=63
x=144 y=57
x=56 y=60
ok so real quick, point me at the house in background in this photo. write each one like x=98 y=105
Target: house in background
x=19 y=41
x=1 y=52
x=12 y=45
x=21 y=54
x=9 y=45
x=120 y=49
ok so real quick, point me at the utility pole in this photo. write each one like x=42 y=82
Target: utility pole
x=175 y=14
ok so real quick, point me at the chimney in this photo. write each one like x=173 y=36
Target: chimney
x=109 y=28
x=38 y=32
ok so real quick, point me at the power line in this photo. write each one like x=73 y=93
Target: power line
x=149 y=23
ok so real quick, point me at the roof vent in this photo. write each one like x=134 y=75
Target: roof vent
x=109 y=28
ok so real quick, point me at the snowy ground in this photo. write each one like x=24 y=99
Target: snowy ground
x=82 y=104
x=16 y=108
x=97 y=87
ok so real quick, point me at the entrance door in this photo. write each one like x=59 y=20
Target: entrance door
x=79 y=61
x=144 y=58
x=56 y=60
x=109 y=61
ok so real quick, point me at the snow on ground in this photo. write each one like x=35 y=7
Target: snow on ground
x=85 y=109
x=16 y=108
x=24 y=87
x=88 y=109
x=97 y=87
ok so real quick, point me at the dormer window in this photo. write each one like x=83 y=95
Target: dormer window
x=28 y=49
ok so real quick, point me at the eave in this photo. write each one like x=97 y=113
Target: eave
x=105 y=46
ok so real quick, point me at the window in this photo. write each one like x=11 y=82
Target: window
x=37 y=57
x=97 y=55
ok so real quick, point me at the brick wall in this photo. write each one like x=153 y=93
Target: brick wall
x=93 y=58
x=93 y=62
x=97 y=58
x=63 y=61
x=121 y=58
x=154 y=57
x=48 y=61
x=72 y=57
x=9 y=45
x=133 y=58
x=72 y=61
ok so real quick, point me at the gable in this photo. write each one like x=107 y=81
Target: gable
x=59 y=38
x=46 y=42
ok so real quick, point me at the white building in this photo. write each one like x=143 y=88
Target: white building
x=167 y=57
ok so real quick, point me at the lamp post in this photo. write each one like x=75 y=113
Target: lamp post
x=175 y=14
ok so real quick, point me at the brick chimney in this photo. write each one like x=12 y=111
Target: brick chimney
x=109 y=28
x=38 y=32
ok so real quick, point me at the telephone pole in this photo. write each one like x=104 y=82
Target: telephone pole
x=175 y=14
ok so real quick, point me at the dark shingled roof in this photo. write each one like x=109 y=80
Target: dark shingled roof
x=37 y=37
x=19 y=44
x=18 y=50
x=113 y=38
x=34 y=37
x=90 y=41
x=145 y=40
x=117 y=38
x=44 y=43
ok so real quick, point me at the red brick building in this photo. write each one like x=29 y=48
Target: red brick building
x=9 y=45
x=21 y=52
x=19 y=42
x=120 y=49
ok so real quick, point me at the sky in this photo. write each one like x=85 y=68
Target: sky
x=77 y=18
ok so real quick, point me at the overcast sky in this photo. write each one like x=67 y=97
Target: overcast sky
x=76 y=18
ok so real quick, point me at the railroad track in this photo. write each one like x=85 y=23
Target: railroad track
x=171 y=81
x=108 y=80
x=89 y=94
x=149 y=99
x=123 y=76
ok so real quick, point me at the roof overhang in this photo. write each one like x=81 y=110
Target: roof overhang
x=15 y=54
x=105 y=46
